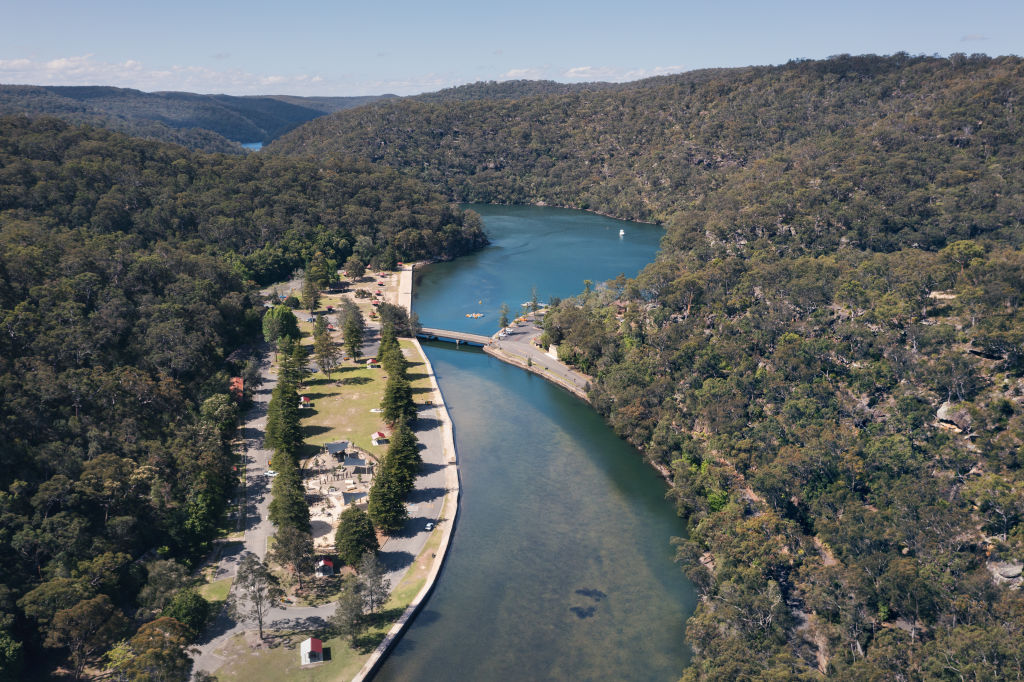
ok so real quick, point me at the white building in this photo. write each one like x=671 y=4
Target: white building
x=311 y=651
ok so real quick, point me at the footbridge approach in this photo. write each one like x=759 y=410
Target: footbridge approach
x=432 y=334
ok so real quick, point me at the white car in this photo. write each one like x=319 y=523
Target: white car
x=430 y=526
x=271 y=473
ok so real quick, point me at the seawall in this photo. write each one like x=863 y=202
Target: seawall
x=450 y=508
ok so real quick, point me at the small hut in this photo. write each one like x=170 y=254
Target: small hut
x=378 y=438
x=325 y=568
x=311 y=651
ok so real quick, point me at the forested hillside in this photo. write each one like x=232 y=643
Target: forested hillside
x=211 y=123
x=127 y=271
x=900 y=132
x=827 y=355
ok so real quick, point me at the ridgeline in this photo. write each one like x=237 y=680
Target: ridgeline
x=828 y=352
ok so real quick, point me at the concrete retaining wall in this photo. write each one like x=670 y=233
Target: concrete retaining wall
x=447 y=527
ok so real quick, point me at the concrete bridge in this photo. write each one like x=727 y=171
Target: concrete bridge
x=456 y=337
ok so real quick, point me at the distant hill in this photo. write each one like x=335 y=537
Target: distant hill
x=208 y=122
x=651 y=149
x=510 y=90
x=827 y=355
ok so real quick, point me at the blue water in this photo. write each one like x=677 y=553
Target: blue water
x=552 y=249
x=252 y=146
x=561 y=564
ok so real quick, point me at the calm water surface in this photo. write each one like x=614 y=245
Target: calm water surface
x=561 y=566
x=552 y=249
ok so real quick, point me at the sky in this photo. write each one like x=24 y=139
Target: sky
x=343 y=48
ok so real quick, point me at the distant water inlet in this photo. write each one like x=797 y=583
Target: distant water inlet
x=561 y=565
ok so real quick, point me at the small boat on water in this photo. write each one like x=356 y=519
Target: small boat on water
x=622 y=233
x=474 y=314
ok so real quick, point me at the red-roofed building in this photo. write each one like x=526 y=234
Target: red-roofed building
x=311 y=651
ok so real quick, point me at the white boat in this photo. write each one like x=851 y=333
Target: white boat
x=622 y=233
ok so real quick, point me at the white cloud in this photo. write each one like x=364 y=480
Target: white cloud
x=87 y=70
x=519 y=74
x=616 y=74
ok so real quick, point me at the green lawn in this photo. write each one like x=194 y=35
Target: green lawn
x=342 y=405
x=341 y=411
x=216 y=591
x=280 y=661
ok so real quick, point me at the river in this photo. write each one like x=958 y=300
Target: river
x=561 y=563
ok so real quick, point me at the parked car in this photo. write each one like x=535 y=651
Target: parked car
x=430 y=526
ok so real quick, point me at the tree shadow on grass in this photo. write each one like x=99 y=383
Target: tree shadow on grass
x=424 y=617
x=314 y=430
x=355 y=381
x=319 y=396
x=367 y=642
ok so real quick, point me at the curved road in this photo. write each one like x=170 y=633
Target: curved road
x=518 y=346
x=397 y=553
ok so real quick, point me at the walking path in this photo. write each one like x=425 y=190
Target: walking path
x=446 y=474
x=436 y=491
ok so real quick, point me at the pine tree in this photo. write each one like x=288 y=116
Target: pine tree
x=289 y=508
x=294 y=547
x=348 y=614
x=403 y=457
x=355 y=536
x=320 y=327
x=310 y=295
x=326 y=353
x=375 y=586
x=397 y=406
x=353 y=336
x=386 y=507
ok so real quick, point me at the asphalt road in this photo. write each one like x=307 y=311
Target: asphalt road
x=519 y=343
x=397 y=554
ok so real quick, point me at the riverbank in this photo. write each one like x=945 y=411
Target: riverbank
x=450 y=506
x=516 y=349
x=544 y=204
x=520 y=350
x=445 y=526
